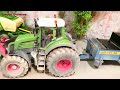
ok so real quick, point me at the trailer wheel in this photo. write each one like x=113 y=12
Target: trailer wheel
x=62 y=62
x=14 y=66
x=96 y=67
x=98 y=63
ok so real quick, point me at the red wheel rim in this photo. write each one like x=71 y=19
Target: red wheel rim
x=64 y=64
x=13 y=67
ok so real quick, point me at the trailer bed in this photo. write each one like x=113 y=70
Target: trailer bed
x=108 y=45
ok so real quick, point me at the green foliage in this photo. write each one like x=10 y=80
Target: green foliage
x=81 y=21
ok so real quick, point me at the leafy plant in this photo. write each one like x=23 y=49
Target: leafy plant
x=81 y=22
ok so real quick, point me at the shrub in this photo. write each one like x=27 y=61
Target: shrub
x=81 y=22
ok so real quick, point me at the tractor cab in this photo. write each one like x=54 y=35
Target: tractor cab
x=50 y=29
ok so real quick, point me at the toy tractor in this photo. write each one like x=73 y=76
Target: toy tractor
x=47 y=48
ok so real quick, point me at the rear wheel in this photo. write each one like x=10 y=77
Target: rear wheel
x=62 y=62
x=14 y=66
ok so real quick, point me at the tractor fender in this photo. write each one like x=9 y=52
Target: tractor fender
x=21 y=54
x=62 y=45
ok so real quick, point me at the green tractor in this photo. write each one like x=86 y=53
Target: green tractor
x=48 y=47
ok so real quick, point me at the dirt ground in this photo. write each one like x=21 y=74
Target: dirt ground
x=85 y=70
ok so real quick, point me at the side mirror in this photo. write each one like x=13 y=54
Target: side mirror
x=35 y=30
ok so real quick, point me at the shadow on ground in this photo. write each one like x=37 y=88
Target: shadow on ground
x=106 y=63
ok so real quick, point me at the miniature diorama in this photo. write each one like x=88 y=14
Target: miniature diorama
x=49 y=47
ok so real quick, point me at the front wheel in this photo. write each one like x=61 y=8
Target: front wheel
x=62 y=62
x=14 y=66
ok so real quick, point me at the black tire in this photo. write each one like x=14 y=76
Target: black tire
x=96 y=67
x=21 y=63
x=57 y=55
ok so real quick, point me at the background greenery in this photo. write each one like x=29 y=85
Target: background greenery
x=81 y=22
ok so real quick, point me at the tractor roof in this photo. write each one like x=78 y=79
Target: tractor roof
x=50 y=22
